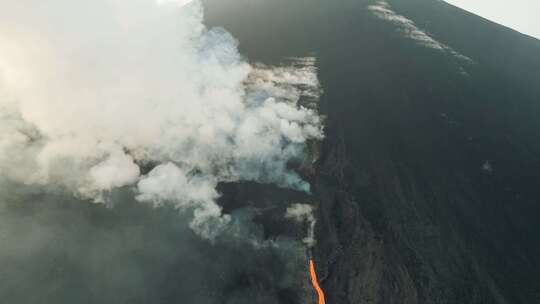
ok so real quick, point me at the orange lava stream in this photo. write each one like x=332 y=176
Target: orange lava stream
x=315 y=282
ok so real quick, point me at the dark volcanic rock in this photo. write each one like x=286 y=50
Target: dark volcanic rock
x=429 y=178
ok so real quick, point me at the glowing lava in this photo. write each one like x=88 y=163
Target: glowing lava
x=315 y=282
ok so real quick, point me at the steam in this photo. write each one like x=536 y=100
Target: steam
x=57 y=250
x=409 y=29
x=107 y=94
x=303 y=214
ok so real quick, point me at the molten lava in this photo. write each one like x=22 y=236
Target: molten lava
x=315 y=282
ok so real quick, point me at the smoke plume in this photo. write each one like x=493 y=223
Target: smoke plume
x=97 y=96
x=303 y=214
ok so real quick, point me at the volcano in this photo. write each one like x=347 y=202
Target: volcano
x=425 y=186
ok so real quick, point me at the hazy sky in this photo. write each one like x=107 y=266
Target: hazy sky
x=521 y=15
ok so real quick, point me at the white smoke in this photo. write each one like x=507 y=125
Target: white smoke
x=93 y=92
x=409 y=29
x=303 y=214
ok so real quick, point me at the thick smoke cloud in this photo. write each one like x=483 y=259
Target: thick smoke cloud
x=108 y=94
x=136 y=104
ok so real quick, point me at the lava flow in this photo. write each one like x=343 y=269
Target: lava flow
x=315 y=282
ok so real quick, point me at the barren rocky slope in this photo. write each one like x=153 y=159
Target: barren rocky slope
x=428 y=182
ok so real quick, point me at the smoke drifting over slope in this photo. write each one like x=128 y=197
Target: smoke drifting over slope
x=409 y=29
x=303 y=214
x=57 y=250
x=101 y=95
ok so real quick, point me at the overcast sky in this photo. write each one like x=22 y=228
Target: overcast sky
x=521 y=15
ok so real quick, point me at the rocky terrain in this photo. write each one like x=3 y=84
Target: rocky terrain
x=427 y=185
